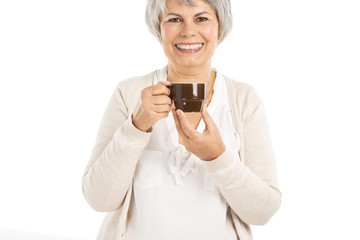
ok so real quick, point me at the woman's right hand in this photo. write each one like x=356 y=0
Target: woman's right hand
x=154 y=104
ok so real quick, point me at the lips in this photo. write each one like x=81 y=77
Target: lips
x=189 y=47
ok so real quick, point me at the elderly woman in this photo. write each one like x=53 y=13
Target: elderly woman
x=165 y=174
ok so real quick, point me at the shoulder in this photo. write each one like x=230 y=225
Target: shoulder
x=244 y=99
x=128 y=90
x=241 y=90
x=137 y=82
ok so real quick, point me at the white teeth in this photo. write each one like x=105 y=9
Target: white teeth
x=189 y=47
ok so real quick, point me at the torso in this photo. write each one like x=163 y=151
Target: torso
x=167 y=177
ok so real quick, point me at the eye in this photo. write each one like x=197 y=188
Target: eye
x=174 y=20
x=202 y=19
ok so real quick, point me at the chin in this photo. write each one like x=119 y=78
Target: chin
x=191 y=63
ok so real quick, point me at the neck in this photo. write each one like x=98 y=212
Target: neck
x=202 y=74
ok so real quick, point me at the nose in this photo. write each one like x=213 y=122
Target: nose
x=189 y=29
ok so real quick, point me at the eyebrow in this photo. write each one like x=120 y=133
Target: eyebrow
x=201 y=13
x=198 y=14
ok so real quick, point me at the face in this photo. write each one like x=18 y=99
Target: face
x=189 y=34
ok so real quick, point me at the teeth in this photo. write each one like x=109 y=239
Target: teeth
x=189 y=47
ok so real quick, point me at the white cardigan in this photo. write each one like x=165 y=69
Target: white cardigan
x=249 y=186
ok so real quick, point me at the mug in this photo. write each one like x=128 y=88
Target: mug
x=189 y=97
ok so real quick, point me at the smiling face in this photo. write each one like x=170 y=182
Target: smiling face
x=189 y=34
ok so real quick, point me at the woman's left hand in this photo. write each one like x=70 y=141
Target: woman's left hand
x=207 y=145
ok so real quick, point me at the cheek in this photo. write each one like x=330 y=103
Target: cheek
x=167 y=34
x=163 y=34
x=211 y=33
x=166 y=38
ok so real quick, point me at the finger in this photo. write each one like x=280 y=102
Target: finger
x=162 y=108
x=165 y=83
x=178 y=125
x=209 y=122
x=158 y=116
x=185 y=125
x=160 y=89
x=161 y=100
x=163 y=115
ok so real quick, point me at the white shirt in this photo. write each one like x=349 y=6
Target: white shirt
x=174 y=197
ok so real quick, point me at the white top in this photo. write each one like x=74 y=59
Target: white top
x=173 y=195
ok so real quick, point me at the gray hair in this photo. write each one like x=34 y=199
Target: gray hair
x=156 y=8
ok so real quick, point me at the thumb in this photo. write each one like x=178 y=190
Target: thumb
x=165 y=83
x=209 y=123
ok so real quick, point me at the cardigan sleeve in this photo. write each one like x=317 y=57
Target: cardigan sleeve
x=250 y=186
x=112 y=164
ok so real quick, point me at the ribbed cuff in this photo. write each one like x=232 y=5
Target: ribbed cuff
x=226 y=160
x=135 y=134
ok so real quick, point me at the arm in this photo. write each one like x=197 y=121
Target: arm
x=250 y=187
x=118 y=146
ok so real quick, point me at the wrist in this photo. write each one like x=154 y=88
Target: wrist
x=140 y=126
x=216 y=154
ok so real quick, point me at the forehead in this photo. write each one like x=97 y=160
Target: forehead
x=178 y=5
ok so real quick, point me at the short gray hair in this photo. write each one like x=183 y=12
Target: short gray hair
x=156 y=8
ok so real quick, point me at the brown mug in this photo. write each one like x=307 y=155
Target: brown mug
x=189 y=97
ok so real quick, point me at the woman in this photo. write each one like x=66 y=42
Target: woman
x=165 y=174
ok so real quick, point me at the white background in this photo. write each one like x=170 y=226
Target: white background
x=61 y=60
